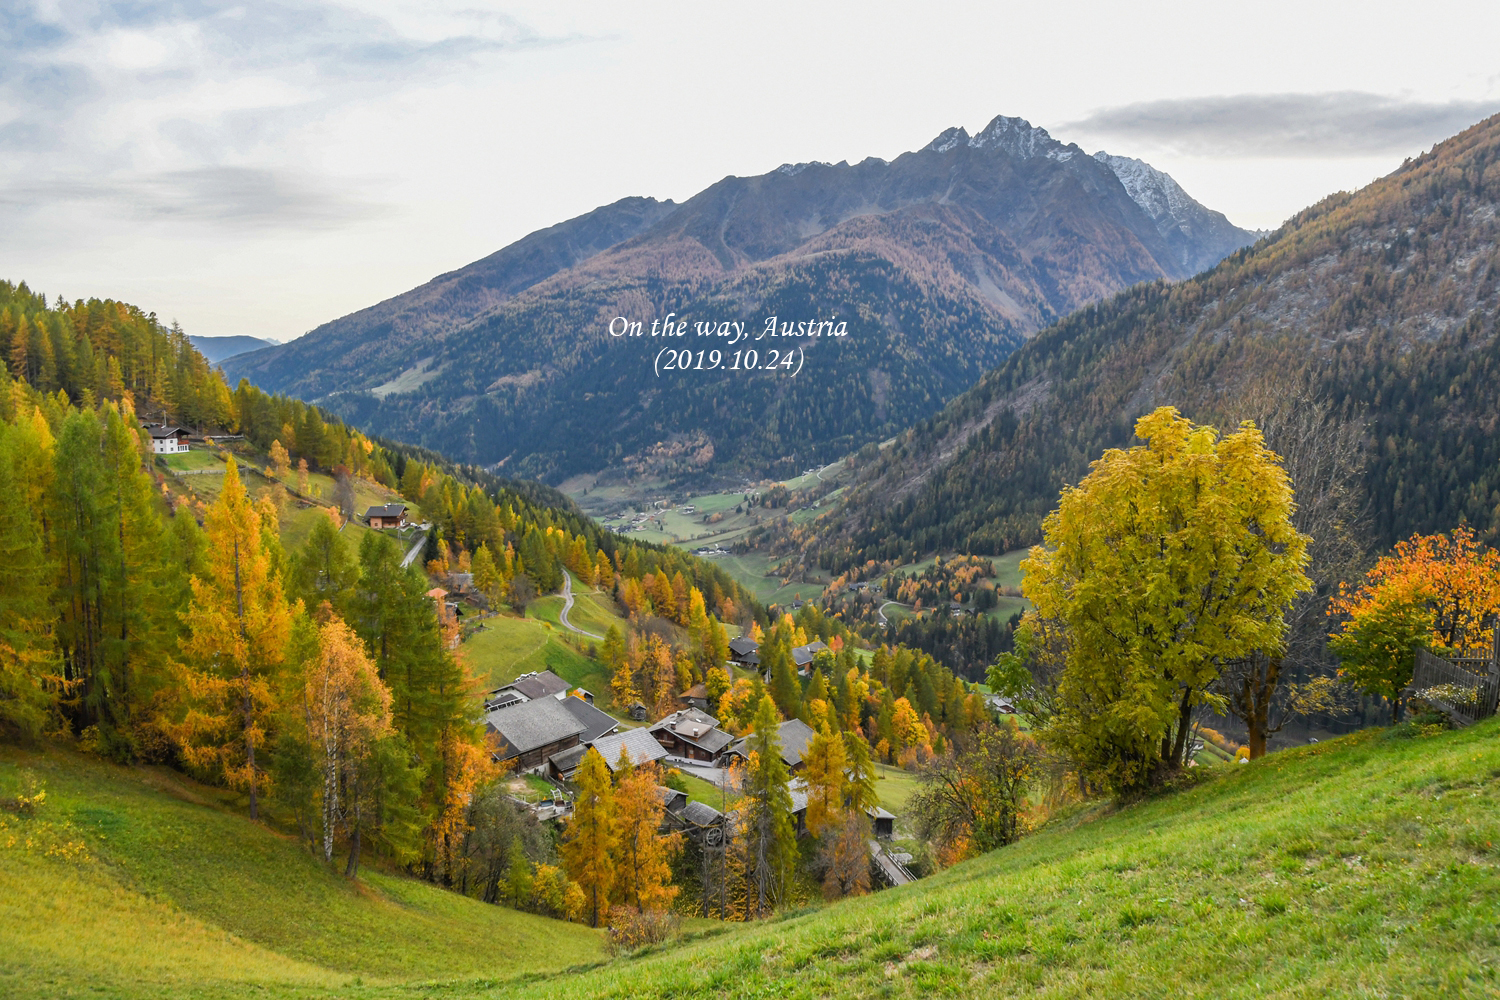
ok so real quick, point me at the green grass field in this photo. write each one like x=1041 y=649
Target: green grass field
x=154 y=888
x=1367 y=866
x=1362 y=867
x=706 y=792
x=895 y=787
x=188 y=461
x=507 y=647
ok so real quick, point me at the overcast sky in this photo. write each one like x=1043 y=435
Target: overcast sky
x=261 y=168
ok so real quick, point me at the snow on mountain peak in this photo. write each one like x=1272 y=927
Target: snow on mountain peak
x=948 y=139
x=1016 y=136
x=1156 y=192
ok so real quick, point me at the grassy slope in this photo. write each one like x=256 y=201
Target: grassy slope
x=171 y=891
x=1367 y=866
x=508 y=646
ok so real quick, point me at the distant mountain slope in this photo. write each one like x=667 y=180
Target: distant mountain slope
x=216 y=349
x=940 y=261
x=1383 y=302
x=406 y=324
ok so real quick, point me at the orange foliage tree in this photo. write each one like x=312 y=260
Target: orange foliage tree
x=1437 y=591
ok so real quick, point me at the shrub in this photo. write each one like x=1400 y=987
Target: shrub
x=630 y=928
x=29 y=800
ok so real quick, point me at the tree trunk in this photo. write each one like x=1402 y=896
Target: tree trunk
x=1258 y=718
x=353 y=867
x=1184 y=724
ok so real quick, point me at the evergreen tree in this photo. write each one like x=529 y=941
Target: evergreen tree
x=766 y=816
x=28 y=656
x=324 y=569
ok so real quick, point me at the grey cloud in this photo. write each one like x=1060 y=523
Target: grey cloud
x=1337 y=124
x=336 y=53
x=224 y=197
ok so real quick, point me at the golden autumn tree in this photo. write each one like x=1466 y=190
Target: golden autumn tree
x=1437 y=591
x=589 y=840
x=348 y=710
x=825 y=768
x=643 y=856
x=1166 y=561
x=238 y=626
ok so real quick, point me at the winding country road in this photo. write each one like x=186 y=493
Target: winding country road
x=881 y=610
x=567 y=594
x=415 y=550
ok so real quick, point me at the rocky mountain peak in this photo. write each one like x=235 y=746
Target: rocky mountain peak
x=1016 y=136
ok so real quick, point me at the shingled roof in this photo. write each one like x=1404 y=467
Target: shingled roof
x=597 y=722
x=699 y=814
x=743 y=644
x=638 y=743
x=386 y=510
x=540 y=684
x=532 y=724
x=792 y=736
x=695 y=727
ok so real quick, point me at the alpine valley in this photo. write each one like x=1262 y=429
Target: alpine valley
x=941 y=262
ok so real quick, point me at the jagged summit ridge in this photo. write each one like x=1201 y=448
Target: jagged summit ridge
x=1199 y=235
x=1016 y=136
x=1154 y=190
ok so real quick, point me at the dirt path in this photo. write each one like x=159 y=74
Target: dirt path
x=562 y=616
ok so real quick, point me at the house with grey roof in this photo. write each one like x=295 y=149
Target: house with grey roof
x=167 y=440
x=528 y=733
x=597 y=722
x=638 y=744
x=387 y=515
x=537 y=684
x=692 y=734
x=792 y=736
x=741 y=647
x=802 y=656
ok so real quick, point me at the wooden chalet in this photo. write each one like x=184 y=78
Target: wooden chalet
x=528 y=733
x=692 y=734
x=388 y=515
x=741 y=648
x=696 y=697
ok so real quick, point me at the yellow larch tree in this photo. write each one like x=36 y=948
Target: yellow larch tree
x=589 y=840
x=238 y=626
x=643 y=856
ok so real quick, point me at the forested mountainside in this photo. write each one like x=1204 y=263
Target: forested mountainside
x=1379 y=305
x=940 y=262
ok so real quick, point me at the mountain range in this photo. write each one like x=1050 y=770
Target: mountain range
x=1379 y=308
x=941 y=262
x=217 y=349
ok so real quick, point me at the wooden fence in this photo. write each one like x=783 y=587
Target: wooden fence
x=1464 y=688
